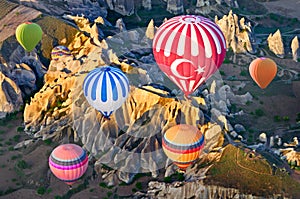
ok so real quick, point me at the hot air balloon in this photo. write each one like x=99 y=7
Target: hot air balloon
x=29 y=35
x=68 y=162
x=263 y=70
x=59 y=51
x=189 y=49
x=183 y=144
x=106 y=89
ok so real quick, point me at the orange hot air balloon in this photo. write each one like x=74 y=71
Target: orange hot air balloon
x=263 y=70
x=68 y=162
x=183 y=144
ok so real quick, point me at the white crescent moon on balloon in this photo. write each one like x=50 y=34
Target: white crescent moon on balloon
x=175 y=65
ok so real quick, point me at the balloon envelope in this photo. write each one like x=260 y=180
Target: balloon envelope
x=189 y=49
x=183 y=144
x=59 y=51
x=106 y=89
x=68 y=162
x=263 y=70
x=29 y=35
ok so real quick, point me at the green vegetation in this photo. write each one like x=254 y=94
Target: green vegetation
x=250 y=174
x=222 y=72
x=243 y=73
x=139 y=185
x=298 y=117
x=22 y=164
x=177 y=176
x=104 y=185
x=286 y=118
x=259 y=112
x=41 y=190
x=20 y=129
x=48 y=141
x=109 y=193
x=277 y=118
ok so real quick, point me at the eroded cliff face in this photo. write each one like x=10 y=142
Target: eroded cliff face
x=295 y=49
x=238 y=34
x=10 y=96
x=275 y=44
x=197 y=190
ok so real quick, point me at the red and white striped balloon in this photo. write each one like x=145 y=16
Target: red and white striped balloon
x=189 y=49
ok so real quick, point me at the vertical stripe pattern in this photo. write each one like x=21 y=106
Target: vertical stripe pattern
x=183 y=144
x=106 y=89
x=195 y=39
x=68 y=162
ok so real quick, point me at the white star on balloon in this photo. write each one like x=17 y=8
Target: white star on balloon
x=199 y=70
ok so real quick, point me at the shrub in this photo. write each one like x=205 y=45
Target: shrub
x=20 y=129
x=138 y=185
x=41 y=190
x=168 y=179
x=277 y=118
x=222 y=72
x=285 y=118
x=259 y=112
x=243 y=73
x=22 y=164
x=16 y=138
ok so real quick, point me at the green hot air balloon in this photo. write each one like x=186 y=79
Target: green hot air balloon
x=29 y=35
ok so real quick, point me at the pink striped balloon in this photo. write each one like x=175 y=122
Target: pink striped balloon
x=68 y=162
x=189 y=49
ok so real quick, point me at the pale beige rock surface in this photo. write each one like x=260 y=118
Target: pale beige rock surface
x=275 y=44
x=295 y=48
x=238 y=34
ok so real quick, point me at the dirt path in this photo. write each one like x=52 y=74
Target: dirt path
x=289 y=8
x=17 y=16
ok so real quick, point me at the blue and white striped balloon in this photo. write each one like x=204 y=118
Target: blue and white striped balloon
x=106 y=89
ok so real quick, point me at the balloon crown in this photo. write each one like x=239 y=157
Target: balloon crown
x=105 y=69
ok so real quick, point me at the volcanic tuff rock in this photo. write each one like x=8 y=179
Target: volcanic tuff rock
x=295 y=48
x=175 y=6
x=194 y=189
x=275 y=44
x=292 y=156
x=238 y=35
x=10 y=96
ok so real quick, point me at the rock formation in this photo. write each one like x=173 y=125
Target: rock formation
x=197 y=190
x=89 y=9
x=10 y=96
x=238 y=35
x=175 y=6
x=292 y=156
x=124 y=7
x=295 y=49
x=147 y=4
x=275 y=44
x=201 y=3
x=203 y=7
x=150 y=30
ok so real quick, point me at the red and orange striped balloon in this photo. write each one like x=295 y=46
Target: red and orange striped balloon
x=183 y=144
x=189 y=49
x=68 y=162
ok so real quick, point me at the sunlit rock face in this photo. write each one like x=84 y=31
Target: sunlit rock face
x=275 y=44
x=295 y=49
x=238 y=35
x=130 y=141
x=195 y=190
x=10 y=96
